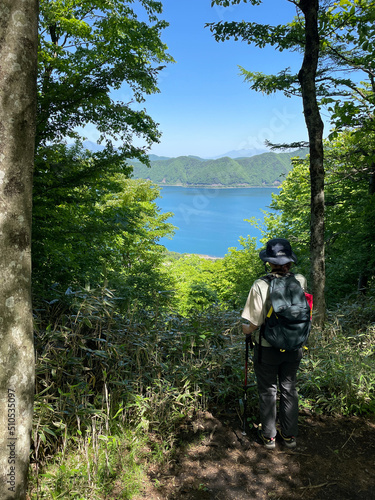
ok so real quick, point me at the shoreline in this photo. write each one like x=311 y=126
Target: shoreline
x=215 y=186
x=190 y=254
x=202 y=256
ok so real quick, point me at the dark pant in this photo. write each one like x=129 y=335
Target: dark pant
x=277 y=368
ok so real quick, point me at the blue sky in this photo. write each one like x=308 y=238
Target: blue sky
x=204 y=107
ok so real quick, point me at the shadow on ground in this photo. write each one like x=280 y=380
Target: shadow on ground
x=334 y=460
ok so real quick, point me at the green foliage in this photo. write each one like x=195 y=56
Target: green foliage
x=91 y=226
x=95 y=465
x=67 y=220
x=100 y=373
x=144 y=370
x=341 y=381
x=87 y=51
x=194 y=282
x=338 y=373
x=349 y=232
x=201 y=283
x=201 y=296
x=290 y=216
x=267 y=169
x=348 y=47
x=281 y=36
x=241 y=267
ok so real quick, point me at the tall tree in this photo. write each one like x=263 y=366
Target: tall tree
x=88 y=51
x=284 y=37
x=307 y=77
x=345 y=78
x=18 y=60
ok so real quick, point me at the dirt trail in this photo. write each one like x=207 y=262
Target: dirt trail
x=334 y=460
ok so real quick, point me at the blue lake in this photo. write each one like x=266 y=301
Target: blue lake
x=210 y=221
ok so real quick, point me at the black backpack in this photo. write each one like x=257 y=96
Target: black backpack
x=288 y=321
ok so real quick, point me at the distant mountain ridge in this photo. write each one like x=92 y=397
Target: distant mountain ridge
x=240 y=168
x=263 y=170
x=238 y=153
x=242 y=153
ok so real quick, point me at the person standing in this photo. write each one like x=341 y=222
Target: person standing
x=274 y=368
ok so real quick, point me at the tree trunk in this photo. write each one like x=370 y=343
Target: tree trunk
x=18 y=67
x=314 y=125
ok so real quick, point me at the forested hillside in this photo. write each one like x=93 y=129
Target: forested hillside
x=267 y=169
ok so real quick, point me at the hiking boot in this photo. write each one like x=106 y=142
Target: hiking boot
x=289 y=441
x=269 y=443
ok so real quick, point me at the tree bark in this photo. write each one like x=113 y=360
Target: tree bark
x=18 y=68
x=314 y=125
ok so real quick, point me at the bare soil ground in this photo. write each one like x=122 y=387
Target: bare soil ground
x=334 y=460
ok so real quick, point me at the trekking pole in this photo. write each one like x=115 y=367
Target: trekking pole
x=248 y=341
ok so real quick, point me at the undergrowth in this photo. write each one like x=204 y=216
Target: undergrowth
x=102 y=374
x=338 y=374
x=113 y=389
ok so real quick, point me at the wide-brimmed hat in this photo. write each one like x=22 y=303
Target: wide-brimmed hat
x=278 y=251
